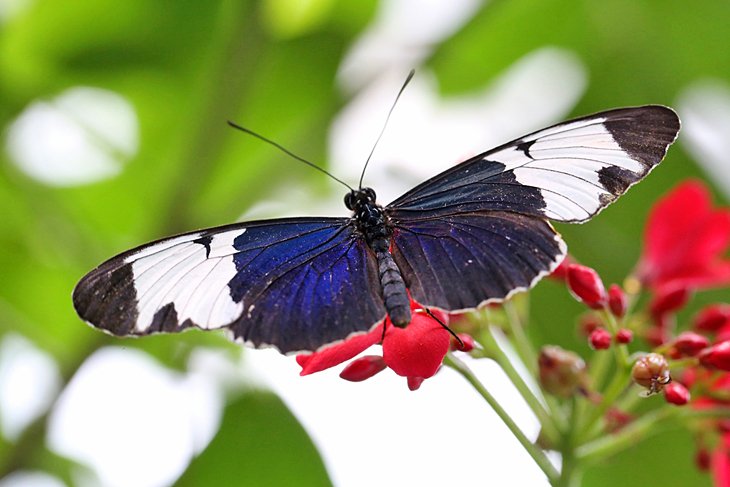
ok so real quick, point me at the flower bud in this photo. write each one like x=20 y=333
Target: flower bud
x=616 y=419
x=467 y=343
x=562 y=373
x=586 y=286
x=363 y=368
x=589 y=322
x=675 y=393
x=669 y=300
x=716 y=356
x=560 y=273
x=624 y=336
x=617 y=301
x=703 y=459
x=689 y=343
x=600 y=339
x=712 y=318
x=651 y=372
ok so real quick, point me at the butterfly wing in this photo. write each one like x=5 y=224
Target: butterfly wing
x=458 y=261
x=478 y=231
x=567 y=172
x=295 y=284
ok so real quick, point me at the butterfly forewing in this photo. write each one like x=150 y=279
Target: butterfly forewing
x=567 y=172
x=294 y=284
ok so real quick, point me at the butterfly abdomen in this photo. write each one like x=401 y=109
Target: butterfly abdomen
x=372 y=222
x=395 y=295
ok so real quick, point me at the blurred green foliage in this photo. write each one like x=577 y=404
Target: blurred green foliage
x=188 y=66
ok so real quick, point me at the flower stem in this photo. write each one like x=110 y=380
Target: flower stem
x=536 y=453
x=528 y=355
x=635 y=432
x=549 y=428
x=620 y=349
x=613 y=391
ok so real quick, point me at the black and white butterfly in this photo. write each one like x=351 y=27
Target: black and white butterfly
x=476 y=233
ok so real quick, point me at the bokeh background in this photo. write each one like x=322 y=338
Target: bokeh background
x=113 y=132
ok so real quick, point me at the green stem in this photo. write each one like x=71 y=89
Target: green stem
x=522 y=344
x=649 y=424
x=549 y=428
x=536 y=453
x=619 y=383
x=528 y=355
x=620 y=349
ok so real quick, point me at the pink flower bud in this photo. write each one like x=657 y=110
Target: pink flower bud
x=600 y=339
x=363 y=368
x=689 y=343
x=617 y=301
x=675 y=393
x=716 y=356
x=651 y=372
x=624 y=335
x=586 y=286
x=712 y=318
x=669 y=300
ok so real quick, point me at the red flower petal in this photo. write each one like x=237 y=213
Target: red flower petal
x=415 y=382
x=684 y=240
x=339 y=352
x=418 y=349
x=363 y=368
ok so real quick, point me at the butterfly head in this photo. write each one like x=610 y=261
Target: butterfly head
x=359 y=197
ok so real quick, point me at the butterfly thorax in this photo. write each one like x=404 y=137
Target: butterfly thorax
x=372 y=222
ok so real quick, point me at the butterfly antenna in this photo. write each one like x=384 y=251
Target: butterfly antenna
x=288 y=152
x=408 y=80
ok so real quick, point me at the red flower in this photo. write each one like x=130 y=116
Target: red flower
x=415 y=352
x=684 y=241
x=721 y=462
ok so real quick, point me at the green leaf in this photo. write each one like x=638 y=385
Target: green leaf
x=259 y=443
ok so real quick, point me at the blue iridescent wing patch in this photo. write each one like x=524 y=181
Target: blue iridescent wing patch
x=295 y=284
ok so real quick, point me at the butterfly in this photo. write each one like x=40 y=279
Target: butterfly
x=476 y=233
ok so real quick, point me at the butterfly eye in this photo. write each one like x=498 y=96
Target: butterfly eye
x=370 y=192
x=350 y=201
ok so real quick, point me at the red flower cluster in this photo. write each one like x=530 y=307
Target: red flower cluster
x=415 y=352
x=685 y=240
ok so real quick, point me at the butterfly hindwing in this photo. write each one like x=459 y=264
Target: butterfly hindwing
x=459 y=261
x=295 y=284
x=567 y=172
